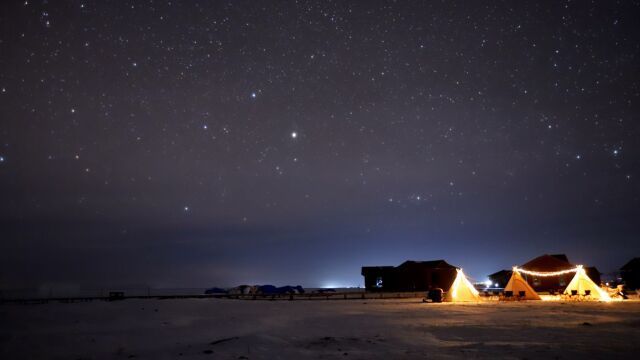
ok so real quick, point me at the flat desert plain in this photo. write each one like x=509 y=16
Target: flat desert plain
x=346 y=329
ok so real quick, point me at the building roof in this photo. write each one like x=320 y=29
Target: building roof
x=500 y=273
x=431 y=264
x=589 y=269
x=378 y=267
x=428 y=264
x=633 y=264
x=375 y=269
x=562 y=257
x=548 y=263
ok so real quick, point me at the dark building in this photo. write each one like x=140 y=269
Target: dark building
x=378 y=277
x=409 y=276
x=630 y=274
x=546 y=263
x=500 y=278
x=593 y=274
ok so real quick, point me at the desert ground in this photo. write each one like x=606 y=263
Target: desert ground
x=347 y=329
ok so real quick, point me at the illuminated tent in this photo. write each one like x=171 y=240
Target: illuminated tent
x=461 y=289
x=517 y=284
x=582 y=283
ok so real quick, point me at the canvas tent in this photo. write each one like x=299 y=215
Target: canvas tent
x=517 y=284
x=583 y=285
x=461 y=289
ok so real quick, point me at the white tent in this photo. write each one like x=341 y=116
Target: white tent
x=582 y=284
x=462 y=289
x=517 y=284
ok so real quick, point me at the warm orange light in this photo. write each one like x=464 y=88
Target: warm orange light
x=461 y=279
x=546 y=274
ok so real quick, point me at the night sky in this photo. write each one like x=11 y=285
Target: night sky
x=201 y=143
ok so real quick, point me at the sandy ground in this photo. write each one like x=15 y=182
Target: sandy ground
x=372 y=329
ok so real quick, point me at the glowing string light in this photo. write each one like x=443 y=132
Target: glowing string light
x=547 y=274
x=580 y=281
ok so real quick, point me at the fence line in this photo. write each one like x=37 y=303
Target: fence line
x=361 y=295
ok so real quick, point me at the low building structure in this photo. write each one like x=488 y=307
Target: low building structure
x=630 y=274
x=409 y=276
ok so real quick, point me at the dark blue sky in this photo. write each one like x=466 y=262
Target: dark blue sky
x=183 y=143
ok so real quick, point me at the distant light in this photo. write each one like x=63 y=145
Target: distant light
x=254 y=95
x=333 y=285
x=496 y=285
x=205 y=127
x=186 y=208
x=1 y=158
x=488 y=283
x=294 y=135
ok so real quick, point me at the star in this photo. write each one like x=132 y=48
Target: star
x=294 y=135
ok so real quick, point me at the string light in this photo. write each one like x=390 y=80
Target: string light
x=547 y=274
x=577 y=283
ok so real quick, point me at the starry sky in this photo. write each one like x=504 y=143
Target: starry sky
x=200 y=143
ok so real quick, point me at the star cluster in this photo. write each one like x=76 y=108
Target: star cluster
x=201 y=142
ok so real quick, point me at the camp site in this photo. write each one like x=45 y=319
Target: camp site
x=546 y=308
